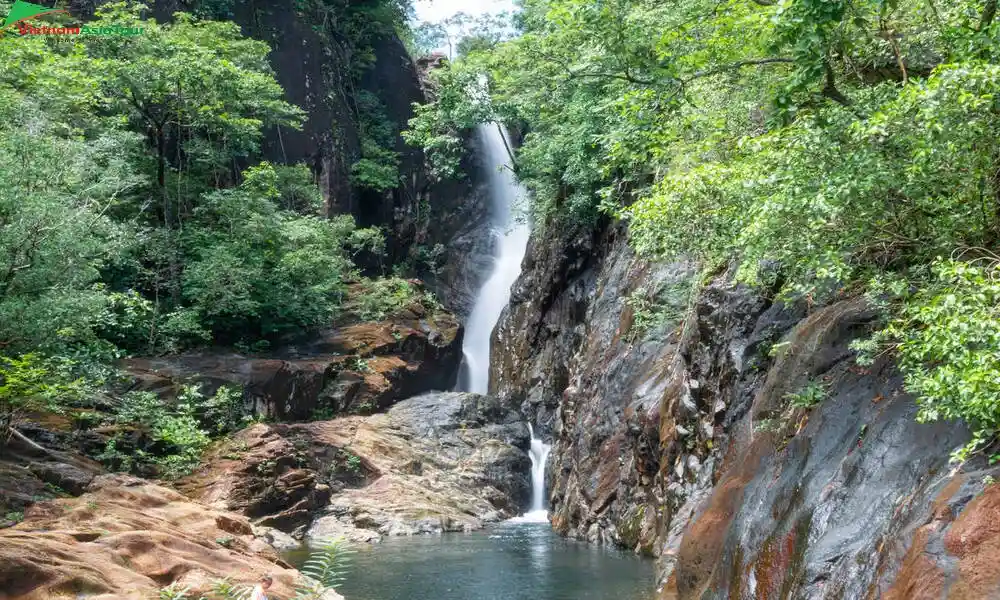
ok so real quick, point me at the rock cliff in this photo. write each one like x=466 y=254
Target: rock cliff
x=355 y=368
x=734 y=436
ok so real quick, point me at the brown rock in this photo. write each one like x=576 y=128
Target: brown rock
x=127 y=538
x=355 y=368
x=233 y=525
x=437 y=462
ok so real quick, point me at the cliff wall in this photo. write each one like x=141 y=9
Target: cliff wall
x=734 y=437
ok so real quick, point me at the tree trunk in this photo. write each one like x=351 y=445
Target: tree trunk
x=168 y=217
x=989 y=13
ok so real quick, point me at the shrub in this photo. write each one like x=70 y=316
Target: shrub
x=947 y=339
x=810 y=395
x=325 y=570
x=177 y=431
x=32 y=382
x=381 y=297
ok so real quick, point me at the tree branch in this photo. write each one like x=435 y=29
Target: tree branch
x=757 y=62
x=830 y=88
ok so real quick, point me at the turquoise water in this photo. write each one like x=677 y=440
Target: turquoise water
x=506 y=562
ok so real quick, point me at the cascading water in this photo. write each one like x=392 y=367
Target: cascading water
x=506 y=196
x=539 y=455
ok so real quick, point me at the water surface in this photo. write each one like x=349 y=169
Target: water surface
x=523 y=561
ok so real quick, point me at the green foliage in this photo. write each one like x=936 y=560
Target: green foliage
x=378 y=167
x=652 y=310
x=177 y=432
x=946 y=336
x=260 y=268
x=226 y=589
x=811 y=394
x=14 y=517
x=821 y=144
x=382 y=297
x=55 y=235
x=176 y=438
x=323 y=413
x=353 y=463
x=439 y=127
x=123 y=225
x=174 y=592
x=325 y=570
x=33 y=383
x=378 y=170
x=357 y=363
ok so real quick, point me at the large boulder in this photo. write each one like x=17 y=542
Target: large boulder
x=356 y=368
x=438 y=462
x=127 y=538
x=30 y=472
x=441 y=462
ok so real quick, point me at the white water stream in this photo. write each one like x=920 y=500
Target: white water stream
x=539 y=454
x=507 y=198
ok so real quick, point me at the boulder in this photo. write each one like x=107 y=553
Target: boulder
x=30 y=472
x=440 y=462
x=437 y=462
x=127 y=538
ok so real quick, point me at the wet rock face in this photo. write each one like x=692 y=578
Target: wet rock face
x=810 y=502
x=437 y=462
x=357 y=368
x=682 y=441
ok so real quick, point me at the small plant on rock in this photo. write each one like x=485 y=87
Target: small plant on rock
x=173 y=592
x=226 y=589
x=809 y=396
x=323 y=413
x=359 y=364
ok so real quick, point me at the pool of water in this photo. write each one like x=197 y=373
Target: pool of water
x=510 y=561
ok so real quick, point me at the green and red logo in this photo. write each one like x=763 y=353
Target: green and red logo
x=23 y=11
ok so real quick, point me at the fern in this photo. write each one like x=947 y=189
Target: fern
x=326 y=569
x=172 y=592
x=225 y=589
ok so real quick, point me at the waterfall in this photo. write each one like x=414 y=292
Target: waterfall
x=539 y=455
x=505 y=196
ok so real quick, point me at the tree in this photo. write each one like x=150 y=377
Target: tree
x=845 y=144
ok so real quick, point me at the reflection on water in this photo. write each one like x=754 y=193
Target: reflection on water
x=523 y=561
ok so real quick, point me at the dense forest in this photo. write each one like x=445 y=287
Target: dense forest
x=137 y=216
x=830 y=147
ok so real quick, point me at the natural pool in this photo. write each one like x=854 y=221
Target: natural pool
x=510 y=561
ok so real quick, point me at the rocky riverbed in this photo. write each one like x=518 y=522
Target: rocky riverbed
x=438 y=462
